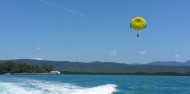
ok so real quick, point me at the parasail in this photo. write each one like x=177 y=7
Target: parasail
x=138 y=24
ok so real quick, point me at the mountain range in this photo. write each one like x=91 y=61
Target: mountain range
x=170 y=63
x=110 y=67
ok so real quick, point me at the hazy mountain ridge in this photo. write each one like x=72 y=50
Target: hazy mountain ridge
x=110 y=67
x=170 y=63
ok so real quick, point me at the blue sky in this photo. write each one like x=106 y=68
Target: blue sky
x=94 y=30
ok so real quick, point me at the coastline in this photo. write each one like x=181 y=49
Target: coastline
x=32 y=74
x=103 y=73
x=136 y=73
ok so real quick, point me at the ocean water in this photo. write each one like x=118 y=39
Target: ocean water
x=93 y=84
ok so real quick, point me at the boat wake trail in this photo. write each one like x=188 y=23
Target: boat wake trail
x=47 y=87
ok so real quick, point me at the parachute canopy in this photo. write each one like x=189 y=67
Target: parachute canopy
x=138 y=23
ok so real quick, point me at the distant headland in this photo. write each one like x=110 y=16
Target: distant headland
x=11 y=67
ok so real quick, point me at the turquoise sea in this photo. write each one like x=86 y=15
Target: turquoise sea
x=93 y=84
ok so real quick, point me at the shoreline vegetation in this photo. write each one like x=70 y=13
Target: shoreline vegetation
x=12 y=68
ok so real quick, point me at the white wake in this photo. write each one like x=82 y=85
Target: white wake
x=45 y=87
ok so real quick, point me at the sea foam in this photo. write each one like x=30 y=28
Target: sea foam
x=47 y=87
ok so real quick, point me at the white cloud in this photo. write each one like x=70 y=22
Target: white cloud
x=38 y=48
x=113 y=52
x=142 y=52
x=37 y=58
x=177 y=56
x=16 y=58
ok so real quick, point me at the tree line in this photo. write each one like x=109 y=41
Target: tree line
x=12 y=67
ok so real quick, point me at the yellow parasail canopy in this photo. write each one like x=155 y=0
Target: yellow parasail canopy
x=138 y=23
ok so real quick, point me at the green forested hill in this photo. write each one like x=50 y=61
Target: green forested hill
x=105 y=67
